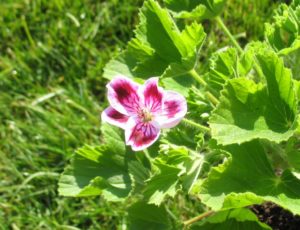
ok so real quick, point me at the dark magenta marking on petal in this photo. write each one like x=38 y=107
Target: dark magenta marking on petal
x=126 y=94
x=143 y=134
x=171 y=108
x=115 y=115
x=153 y=97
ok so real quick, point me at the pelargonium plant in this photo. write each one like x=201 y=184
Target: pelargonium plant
x=220 y=137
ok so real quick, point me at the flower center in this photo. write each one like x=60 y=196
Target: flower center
x=145 y=115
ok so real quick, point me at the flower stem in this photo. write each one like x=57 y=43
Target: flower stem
x=196 y=125
x=198 y=218
x=200 y=80
x=227 y=32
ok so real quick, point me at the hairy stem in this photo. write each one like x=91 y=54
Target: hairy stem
x=230 y=36
x=202 y=82
x=196 y=125
x=198 y=218
x=197 y=77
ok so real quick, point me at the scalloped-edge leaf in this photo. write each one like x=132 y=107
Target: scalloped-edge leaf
x=110 y=170
x=226 y=64
x=94 y=171
x=248 y=110
x=283 y=34
x=247 y=178
x=176 y=168
x=174 y=54
x=163 y=184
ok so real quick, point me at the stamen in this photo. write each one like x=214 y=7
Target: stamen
x=145 y=115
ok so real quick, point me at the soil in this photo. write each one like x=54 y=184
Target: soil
x=276 y=217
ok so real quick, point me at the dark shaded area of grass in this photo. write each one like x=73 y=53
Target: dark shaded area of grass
x=51 y=58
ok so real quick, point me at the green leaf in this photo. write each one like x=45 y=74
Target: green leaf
x=293 y=153
x=163 y=184
x=187 y=160
x=283 y=35
x=226 y=65
x=176 y=168
x=297 y=87
x=199 y=9
x=178 y=84
x=248 y=110
x=159 y=47
x=110 y=170
x=113 y=137
x=94 y=171
x=231 y=219
x=148 y=217
x=139 y=174
x=247 y=178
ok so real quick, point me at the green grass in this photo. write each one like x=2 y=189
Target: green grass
x=52 y=55
x=51 y=58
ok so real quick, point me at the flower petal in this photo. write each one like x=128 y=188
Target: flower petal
x=141 y=135
x=113 y=117
x=152 y=95
x=123 y=96
x=174 y=109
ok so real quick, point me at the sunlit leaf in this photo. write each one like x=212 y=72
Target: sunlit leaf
x=283 y=35
x=159 y=48
x=247 y=178
x=227 y=64
x=248 y=110
x=110 y=170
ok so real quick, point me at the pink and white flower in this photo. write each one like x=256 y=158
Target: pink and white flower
x=142 y=110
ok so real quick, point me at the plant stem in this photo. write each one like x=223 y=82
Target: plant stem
x=200 y=80
x=227 y=32
x=197 y=77
x=198 y=218
x=212 y=98
x=196 y=125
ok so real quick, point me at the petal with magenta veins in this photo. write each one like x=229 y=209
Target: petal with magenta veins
x=152 y=95
x=141 y=135
x=113 y=117
x=173 y=110
x=123 y=96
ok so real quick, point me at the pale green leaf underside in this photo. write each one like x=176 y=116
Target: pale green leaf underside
x=235 y=219
x=248 y=110
x=248 y=178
